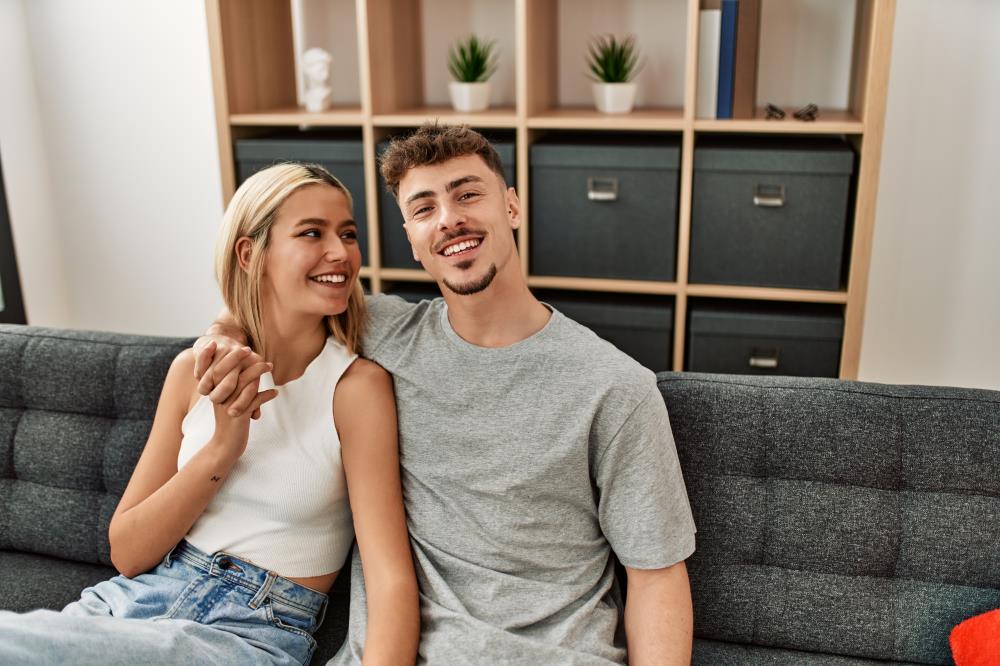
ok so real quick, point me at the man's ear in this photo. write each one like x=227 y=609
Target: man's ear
x=513 y=208
x=243 y=249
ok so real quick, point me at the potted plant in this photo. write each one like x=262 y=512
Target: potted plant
x=472 y=62
x=613 y=64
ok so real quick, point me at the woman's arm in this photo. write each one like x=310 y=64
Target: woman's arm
x=365 y=414
x=161 y=504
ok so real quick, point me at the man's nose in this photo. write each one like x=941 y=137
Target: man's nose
x=450 y=216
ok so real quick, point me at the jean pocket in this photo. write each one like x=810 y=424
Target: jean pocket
x=295 y=622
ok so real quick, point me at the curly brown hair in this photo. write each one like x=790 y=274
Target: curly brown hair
x=430 y=144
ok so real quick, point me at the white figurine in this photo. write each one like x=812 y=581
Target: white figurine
x=316 y=68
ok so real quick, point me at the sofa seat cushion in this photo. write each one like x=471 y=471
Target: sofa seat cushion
x=39 y=581
x=717 y=653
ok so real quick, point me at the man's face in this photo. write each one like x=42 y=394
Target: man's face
x=458 y=217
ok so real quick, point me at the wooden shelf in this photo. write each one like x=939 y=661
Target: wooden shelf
x=251 y=49
x=295 y=117
x=502 y=117
x=827 y=122
x=583 y=118
x=594 y=284
x=766 y=293
x=405 y=274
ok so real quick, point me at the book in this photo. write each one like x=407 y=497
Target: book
x=727 y=59
x=709 y=24
x=747 y=46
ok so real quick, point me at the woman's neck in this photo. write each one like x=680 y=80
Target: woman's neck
x=292 y=344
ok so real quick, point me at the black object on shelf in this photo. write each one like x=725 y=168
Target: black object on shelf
x=413 y=292
x=11 y=301
x=760 y=338
x=770 y=212
x=340 y=153
x=604 y=206
x=394 y=246
x=641 y=326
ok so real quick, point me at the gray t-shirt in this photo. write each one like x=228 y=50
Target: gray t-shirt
x=522 y=469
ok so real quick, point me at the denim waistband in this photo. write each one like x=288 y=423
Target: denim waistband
x=255 y=579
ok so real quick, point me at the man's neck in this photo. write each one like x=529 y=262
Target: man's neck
x=503 y=314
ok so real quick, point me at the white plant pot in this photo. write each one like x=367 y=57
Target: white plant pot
x=468 y=97
x=614 y=97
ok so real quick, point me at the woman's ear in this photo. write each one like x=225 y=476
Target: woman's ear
x=243 y=248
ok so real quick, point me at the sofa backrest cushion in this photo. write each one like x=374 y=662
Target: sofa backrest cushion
x=75 y=410
x=840 y=517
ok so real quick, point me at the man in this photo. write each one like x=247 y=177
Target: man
x=530 y=449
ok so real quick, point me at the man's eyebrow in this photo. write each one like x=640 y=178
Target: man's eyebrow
x=458 y=182
x=419 y=195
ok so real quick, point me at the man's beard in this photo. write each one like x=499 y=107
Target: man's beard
x=475 y=286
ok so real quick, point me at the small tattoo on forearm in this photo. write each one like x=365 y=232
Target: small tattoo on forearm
x=216 y=479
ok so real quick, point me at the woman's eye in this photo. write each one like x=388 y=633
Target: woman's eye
x=350 y=235
x=311 y=233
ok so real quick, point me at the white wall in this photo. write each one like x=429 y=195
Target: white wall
x=37 y=236
x=125 y=99
x=934 y=296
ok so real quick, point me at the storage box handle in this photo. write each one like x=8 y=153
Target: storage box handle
x=764 y=358
x=769 y=196
x=602 y=189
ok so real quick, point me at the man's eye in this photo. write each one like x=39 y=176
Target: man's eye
x=420 y=211
x=468 y=195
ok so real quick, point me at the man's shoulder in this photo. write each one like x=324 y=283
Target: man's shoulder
x=594 y=357
x=389 y=316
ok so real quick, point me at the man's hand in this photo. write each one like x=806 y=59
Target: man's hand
x=223 y=369
x=232 y=421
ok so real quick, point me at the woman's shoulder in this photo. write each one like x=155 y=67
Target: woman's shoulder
x=180 y=383
x=364 y=375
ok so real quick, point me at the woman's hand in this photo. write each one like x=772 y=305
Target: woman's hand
x=237 y=396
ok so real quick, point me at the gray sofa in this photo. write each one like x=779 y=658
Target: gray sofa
x=839 y=522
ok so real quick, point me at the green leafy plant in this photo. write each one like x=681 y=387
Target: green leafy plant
x=472 y=60
x=613 y=61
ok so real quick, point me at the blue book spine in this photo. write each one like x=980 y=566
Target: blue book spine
x=727 y=60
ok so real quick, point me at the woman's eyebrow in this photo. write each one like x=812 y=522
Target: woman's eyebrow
x=311 y=220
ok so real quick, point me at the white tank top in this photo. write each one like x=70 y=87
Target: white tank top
x=284 y=504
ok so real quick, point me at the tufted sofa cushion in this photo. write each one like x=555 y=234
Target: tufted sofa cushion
x=75 y=410
x=841 y=517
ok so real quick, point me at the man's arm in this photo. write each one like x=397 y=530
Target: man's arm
x=659 y=621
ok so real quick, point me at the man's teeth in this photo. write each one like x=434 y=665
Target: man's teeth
x=459 y=247
x=330 y=278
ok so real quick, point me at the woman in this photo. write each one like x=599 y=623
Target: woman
x=231 y=531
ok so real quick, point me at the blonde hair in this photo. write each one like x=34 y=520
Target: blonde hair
x=252 y=213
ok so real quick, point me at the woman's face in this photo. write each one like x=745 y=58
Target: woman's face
x=313 y=256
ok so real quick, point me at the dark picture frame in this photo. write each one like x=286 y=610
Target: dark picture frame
x=12 y=311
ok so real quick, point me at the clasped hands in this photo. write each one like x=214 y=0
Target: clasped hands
x=229 y=373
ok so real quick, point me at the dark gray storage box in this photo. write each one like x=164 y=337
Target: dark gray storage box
x=604 y=207
x=765 y=339
x=640 y=326
x=413 y=292
x=395 y=248
x=770 y=212
x=342 y=154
